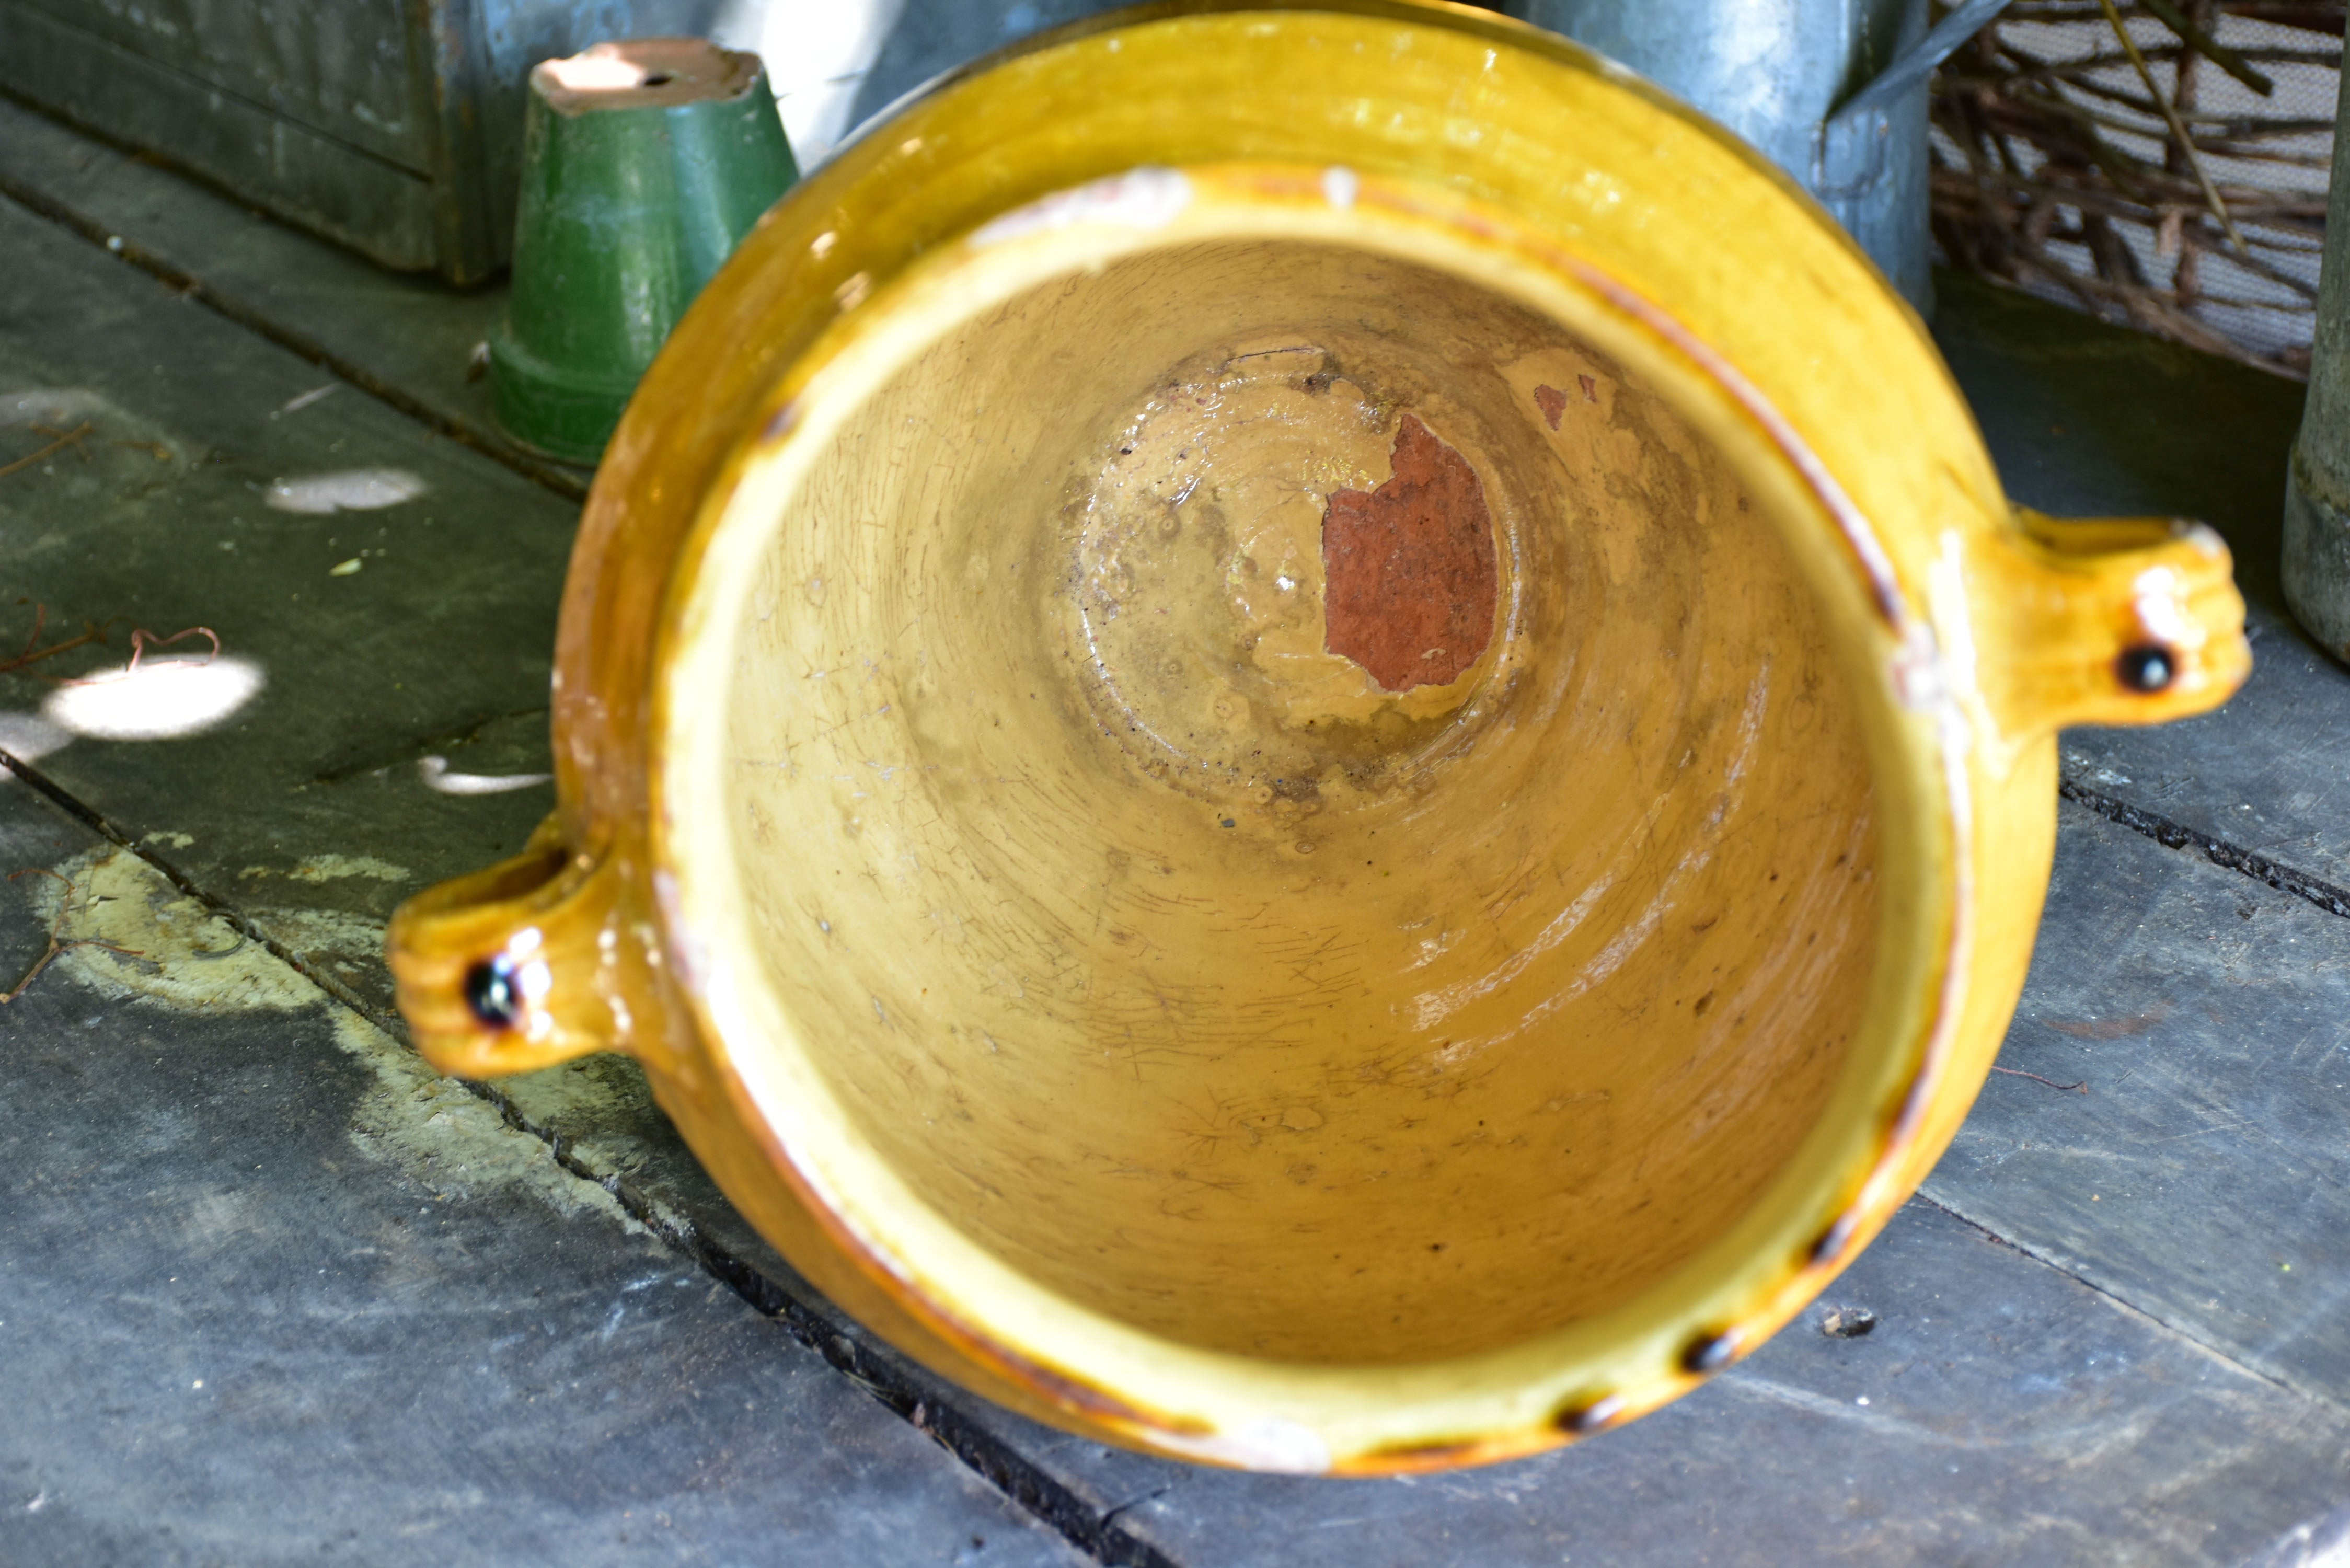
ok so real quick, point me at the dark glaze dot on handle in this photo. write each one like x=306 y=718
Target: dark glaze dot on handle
x=2146 y=667
x=1710 y=1352
x=491 y=993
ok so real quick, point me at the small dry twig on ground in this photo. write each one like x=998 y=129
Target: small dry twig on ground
x=57 y=944
x=2080 y=1088
x=69 y=439
x=142 y=640
x=33 y=653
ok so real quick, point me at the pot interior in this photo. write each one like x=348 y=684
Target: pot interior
x=1300 y=808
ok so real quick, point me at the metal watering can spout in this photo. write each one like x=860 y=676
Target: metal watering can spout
x=1870 y=163
x=1779 y=73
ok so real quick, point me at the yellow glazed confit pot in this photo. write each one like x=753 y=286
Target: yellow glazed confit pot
x=1309 y=737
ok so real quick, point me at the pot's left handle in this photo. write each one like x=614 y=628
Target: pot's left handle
x=521 y=966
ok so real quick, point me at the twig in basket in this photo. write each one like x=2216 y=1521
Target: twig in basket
x=2178 y=127
x=2210 y=48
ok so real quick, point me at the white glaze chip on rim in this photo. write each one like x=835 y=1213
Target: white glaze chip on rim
x=1143 y=198
x=1211 y=1405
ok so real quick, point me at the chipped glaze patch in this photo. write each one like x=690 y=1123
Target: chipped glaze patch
x=1553 y=404
x=1917 y=670
x=1144 y=198
x=687 y=951
x=2201 y=536
x=1946 y=593
x=1410 y=566
x=2159 y=598
x=1277 y=1447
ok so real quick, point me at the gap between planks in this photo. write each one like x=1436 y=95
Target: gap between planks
x=2282 y=1385
x=2172 y=834
x=1091 y=1532
x=1096 y=1534
x=121 y=247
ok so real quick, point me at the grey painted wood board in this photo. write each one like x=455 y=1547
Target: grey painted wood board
x=2014 y=1417
x=2204 y=1175
x=438 y=645
x=394 y=126
x=406 y=339
x=270 y=1294
x=1780 y=1427
x=366 y=188
x=2086 y=420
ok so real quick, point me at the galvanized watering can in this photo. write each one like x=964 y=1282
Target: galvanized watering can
x=1833 y=91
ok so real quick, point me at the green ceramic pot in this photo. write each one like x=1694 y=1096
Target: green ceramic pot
x=644 y=162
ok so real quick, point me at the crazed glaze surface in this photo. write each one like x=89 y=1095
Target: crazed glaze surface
x=1346 y=789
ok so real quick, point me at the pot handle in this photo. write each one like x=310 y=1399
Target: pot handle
x=521 y=966
x=2101 y=621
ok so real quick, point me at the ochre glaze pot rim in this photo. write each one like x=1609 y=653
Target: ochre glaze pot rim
x=1966 y=637
x=1217 y=1403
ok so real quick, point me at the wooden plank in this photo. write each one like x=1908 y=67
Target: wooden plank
x=312 y=807
x=271 y=1292
x=2203 y=1176
x=2014 y=1417
x=408 y=338
x=343 y=190
x=2088 y=420
x=341 y=70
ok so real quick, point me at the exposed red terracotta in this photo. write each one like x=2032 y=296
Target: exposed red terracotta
x=1552 y=403
x=1590 y=388
x=1410 y=567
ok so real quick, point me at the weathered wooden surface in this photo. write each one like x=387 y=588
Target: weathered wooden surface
x=2014 y=1417
x=2088 y=422
x=405 y=338
x=310 y=806
x=349 y=156
x=2203 y=1176
x=270 y=1293
x=395 y=126
x=2180 y=1406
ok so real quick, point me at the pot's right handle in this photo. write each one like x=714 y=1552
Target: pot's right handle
x=2103 y=621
